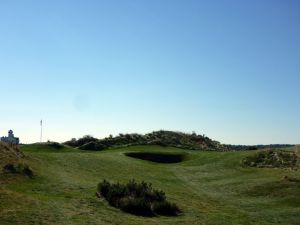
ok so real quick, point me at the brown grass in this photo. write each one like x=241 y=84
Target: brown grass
x=9 y=154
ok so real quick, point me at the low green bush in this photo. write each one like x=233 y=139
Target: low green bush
x=272 y=159
x=137 y=198
x=165 y=208
x=136 y=206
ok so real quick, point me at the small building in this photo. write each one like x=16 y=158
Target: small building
x=11 y=139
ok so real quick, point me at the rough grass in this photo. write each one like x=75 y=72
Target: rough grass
x=9 y=154
x=211 y=188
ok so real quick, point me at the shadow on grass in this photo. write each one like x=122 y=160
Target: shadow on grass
x=285 y=190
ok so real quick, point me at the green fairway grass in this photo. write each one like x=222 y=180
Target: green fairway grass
x=209 y=187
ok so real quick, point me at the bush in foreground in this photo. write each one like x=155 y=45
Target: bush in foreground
x=137 y=198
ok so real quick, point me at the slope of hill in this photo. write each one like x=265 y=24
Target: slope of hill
x=211 y=188
x=9 y=155
x=162 y=138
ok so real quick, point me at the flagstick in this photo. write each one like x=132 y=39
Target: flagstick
x=41 y=131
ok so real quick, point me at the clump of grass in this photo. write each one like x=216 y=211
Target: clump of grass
x=137 y=198
x=272 y=159
x=290 y=179
x=19 y=168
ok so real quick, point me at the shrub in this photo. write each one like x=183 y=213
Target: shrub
x=72 y=142
x=93 y=146
x=166 y=208
x=81 y=141
x=103 y=188
x=137 y=198
x=136 y=206
x=271 y=158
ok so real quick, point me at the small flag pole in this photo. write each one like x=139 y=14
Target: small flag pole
x=41 y=131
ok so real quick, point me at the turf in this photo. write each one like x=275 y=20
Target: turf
x=210 y=187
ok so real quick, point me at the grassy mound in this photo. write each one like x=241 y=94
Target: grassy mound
x=54 y=145
x=157 y=157
x=272 y=159
x=9 y=154
x=137 y=198
x=285 y=190
x=163 y=138
x=11 y=160
x=45 y=146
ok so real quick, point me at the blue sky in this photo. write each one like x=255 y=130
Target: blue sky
x=227 y=69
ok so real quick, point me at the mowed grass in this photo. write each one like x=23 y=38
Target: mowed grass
x=210 y=187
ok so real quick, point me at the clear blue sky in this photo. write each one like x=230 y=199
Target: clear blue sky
x=226 y=69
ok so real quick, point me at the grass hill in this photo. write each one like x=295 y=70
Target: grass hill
x=9 y=154
x=211 y=188
x=163 y=138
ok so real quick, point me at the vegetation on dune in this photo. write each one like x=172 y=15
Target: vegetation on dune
x=272 y=159
x=93 y=145
x=19 y=168
x=137 y=198
x=9 y=154
x=257 y=147
x=163 y=138
x=11 y=160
